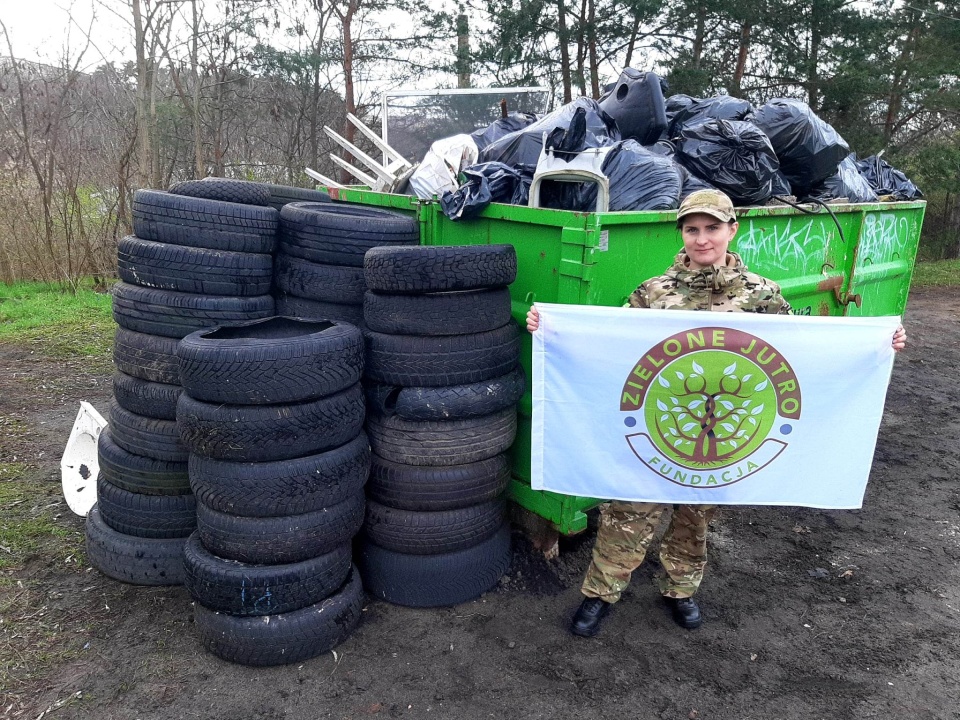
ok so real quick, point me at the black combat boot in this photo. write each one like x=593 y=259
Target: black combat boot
x=586 y=621
x=686 y=612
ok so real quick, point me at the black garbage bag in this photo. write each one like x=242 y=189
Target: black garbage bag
x=676 y=103
x=636 y=103
x=781 y=186
x=662 y=147
x=847 y=183
x=567 y=141
x=731 y=155
x=487 y=183
x=691 y=183
x=722 y=107
x=523 y=146
x=639 y=180
x=809 y=149
x=887 y=180
x=504 y=126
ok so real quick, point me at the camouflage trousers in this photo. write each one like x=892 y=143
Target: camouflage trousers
x=626 y=530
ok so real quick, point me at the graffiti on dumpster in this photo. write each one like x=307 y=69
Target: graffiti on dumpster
x=884 y=238
x=797 y=248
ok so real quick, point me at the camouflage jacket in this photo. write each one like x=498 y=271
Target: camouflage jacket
x=732 y=288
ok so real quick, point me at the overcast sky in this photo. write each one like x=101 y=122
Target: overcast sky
x=42 y=30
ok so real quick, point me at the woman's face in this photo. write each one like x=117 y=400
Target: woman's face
x=706 y=239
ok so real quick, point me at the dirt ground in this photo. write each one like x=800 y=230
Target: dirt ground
x=809 y=614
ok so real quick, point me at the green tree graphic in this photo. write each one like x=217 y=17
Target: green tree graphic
x=710 y=408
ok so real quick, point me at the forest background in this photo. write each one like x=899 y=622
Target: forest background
x=243 y=88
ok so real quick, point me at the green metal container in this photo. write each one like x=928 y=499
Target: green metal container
x=858 y=261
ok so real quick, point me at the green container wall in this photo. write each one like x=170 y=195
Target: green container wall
x=600 y=258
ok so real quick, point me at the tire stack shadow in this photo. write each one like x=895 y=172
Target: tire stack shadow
x=272 y=413
x=201 y=255
x=442 y=382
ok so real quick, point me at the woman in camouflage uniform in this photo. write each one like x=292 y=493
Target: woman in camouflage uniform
x=704 y=276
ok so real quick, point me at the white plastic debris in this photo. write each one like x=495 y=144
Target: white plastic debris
x=585 y=166
x=441 y=165
x=79 y=465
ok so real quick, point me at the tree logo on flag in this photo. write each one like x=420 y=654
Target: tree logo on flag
x=716 y=405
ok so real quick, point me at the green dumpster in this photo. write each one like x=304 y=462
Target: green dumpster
x=856 y=261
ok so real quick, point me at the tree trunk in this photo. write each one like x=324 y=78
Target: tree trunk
x=737 y=82
x=463 y=51
x=698 y=38
x=219 y=149
x=634 y=33
x=564 y=39
x=582 y=48
x=592 y=47
x=952 y=201
x=900 y=74
x=200 y=167
x=813 y=61
x=349 y=131
x=315 y=116
x=145 y=166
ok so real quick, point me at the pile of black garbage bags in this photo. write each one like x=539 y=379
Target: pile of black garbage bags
x=660 y=149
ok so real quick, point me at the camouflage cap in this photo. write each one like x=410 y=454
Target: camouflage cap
x=710 y=202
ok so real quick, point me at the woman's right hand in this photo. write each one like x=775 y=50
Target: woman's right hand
x=533 y=319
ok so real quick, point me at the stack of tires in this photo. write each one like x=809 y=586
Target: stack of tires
x=442 y=383
x=272 y=413
x=201 y=256
x=319 y=270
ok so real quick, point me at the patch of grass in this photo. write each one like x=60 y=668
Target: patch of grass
x=11 y=427
x=62 y=324
x=936 y=274
x=38 y=628
x=27 y=519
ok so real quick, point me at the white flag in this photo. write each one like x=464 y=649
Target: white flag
x=691 y=407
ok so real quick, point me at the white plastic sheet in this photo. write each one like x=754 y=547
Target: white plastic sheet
x=441 y=165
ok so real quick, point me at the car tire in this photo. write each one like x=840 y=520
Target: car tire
x=418 y=532
x=193 y=270
x=281 y=539
x=442 y=443
x=337 y=234
x=446 y=403
x=177 y=314
x=435 y=580
x=138 y=473
x=290 y=306
x=272 y=361
x=197 y=222
x=134 y=560
x=283 y=487
x=447 y=313
x=281 y=195
x=316 y=281
x=142 y=435
x=146 y=516
x=283 y=638
x=415 y=360
x=246 y=590
x=148 y=357
x=144 y=397
x=243 y=192
x=262 y=433
x=436 y=268
x=417 y=487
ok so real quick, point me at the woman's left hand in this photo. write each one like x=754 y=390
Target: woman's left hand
x=899 y=339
